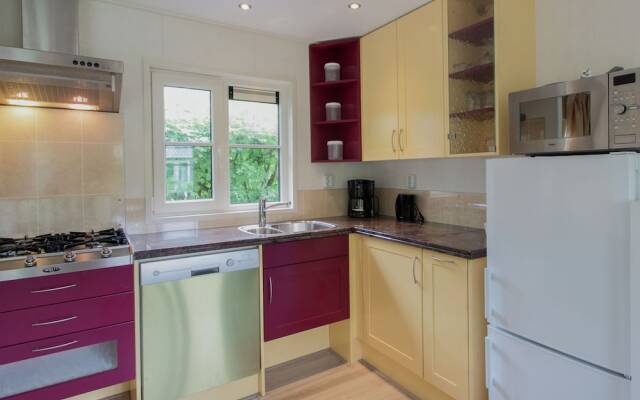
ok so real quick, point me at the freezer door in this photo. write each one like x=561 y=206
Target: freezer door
x=519 y=370
x=558 y=253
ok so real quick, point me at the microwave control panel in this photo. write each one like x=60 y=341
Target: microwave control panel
x=624 y=109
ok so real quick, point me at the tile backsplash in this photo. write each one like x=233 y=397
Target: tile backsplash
x=465 y=209
x=60 y=170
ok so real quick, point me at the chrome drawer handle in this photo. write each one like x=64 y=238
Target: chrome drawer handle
x=443 y=261
x=413 y=270
x=55 y=289
x=393 y=140
x=55 y=347
x=57 y=321
x=270 y=291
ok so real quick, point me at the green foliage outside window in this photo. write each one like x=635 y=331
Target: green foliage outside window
x=254 y=172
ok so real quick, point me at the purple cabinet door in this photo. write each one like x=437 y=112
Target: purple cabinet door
x=303 y=296
x=33 y=292
x=300 y=251
x=74 y=316
x=68 y=365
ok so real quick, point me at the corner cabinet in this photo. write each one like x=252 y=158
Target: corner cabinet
x=435 y=82
x=424 y=312
x=402 y=87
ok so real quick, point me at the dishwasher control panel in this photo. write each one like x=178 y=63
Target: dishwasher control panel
x=194 y=265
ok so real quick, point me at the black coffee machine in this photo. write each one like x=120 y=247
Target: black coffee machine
x=362 y=200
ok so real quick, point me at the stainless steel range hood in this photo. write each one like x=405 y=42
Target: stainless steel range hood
x=48 y=72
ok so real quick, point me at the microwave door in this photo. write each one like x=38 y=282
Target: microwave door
x=562 y=117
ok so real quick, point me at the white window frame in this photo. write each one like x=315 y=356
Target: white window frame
x=219 y=87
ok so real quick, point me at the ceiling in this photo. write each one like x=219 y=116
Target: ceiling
x=309 y=20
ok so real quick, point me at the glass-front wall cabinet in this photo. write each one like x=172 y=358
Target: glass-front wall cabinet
x=471 y=86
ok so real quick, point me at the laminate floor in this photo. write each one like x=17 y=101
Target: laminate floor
x=346 y=382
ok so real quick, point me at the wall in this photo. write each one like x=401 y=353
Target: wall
x=158 y=38
x=60 y=170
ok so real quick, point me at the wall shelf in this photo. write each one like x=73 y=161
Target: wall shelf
x=476 y=34
x=483 y=73
x=346 y=91
x=338 y=122
x=481 y=114
x=334 y=83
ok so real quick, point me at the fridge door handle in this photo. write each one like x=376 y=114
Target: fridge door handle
x=487 y=362
x=487 y=297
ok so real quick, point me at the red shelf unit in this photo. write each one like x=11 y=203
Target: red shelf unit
x=346 y=91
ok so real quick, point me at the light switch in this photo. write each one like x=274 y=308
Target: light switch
x=413 y=181
x=329 y=181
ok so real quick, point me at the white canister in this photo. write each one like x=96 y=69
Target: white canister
x=334 y=150
x=333 y=111
x=331 y=72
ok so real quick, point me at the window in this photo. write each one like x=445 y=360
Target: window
x=219 y=145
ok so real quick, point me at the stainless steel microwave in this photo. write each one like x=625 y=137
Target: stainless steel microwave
x=589 y=115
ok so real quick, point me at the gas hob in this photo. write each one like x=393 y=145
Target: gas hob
x=62 y=252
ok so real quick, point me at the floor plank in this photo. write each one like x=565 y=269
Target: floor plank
x=301 y=368
x=346 y=382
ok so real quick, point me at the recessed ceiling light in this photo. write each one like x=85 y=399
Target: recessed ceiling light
x=354 y=6
x=244 y=6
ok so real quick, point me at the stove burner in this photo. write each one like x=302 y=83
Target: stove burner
x=61 y=242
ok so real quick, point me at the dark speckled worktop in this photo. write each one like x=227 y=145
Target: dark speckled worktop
x=459 y=241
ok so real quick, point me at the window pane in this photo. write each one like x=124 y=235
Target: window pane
x=187 y=115
x=254 y=173
x=188 y=173
x=253 y=123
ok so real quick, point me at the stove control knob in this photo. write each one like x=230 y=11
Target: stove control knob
x=30 y=261
x=70 y=256
x=230 y=262
x=106 y=252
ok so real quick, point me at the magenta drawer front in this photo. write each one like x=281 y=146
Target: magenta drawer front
x=305 y=296
x=47 y=321
x=300 y=251
x=33 y=292
x=76 y=363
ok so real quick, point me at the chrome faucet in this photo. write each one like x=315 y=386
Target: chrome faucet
x=262 y=210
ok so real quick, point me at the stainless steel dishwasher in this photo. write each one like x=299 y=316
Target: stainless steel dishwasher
x=200 y=322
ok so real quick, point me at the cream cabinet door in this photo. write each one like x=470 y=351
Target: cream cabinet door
x=393 y=301
x=421 y=133
x=446 y=324
x=379 y=86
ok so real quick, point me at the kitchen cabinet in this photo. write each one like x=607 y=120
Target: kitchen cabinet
x=379 y=85
x=435 y=82
x=306 y=285
x=393 y=301
x=402 y=87
x=423 y=312
x=421 y=83
x=445 y=321
x=74 y=333
x=491 y=52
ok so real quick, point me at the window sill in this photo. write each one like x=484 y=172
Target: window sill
x=223 y=218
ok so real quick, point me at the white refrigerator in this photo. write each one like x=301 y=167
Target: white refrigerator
x=562 y=284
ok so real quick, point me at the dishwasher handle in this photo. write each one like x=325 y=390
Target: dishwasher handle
x=205 y=271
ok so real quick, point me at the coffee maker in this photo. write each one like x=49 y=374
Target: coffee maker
x=362 y=200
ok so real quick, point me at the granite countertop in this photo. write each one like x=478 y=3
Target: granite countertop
x=459 y=241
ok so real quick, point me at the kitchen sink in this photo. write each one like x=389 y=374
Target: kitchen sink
x=302 y=226
x=260 y=230
x=283 y=228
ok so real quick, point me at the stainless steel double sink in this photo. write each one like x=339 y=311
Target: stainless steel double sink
x=286 y=228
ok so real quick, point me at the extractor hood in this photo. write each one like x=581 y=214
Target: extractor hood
x=48 y=72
